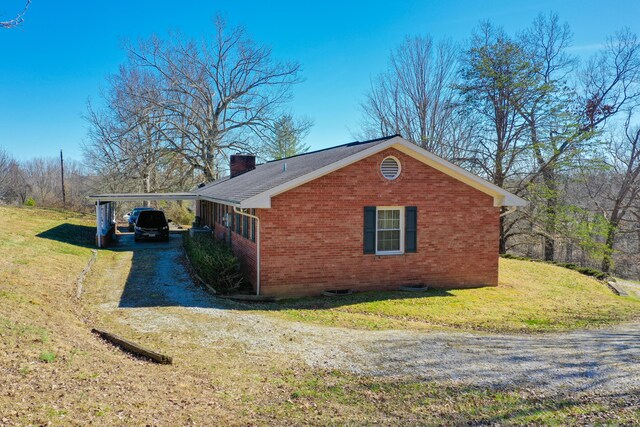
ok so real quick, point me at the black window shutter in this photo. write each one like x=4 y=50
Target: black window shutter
x=369 y=229
x=410 y=229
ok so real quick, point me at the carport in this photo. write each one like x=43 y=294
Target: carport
x=106 y=213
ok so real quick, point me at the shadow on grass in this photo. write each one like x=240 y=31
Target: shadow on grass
x=513 y=405
x=73 y=234
x=323 y=302
x=158 y=276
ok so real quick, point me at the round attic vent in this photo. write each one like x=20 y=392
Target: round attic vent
x=390 y=168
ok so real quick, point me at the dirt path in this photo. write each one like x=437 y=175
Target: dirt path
x=601 y=359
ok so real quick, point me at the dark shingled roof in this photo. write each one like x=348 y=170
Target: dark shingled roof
x=272 y=174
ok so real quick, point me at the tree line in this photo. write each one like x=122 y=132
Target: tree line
x=38 y=181
x=521 y=110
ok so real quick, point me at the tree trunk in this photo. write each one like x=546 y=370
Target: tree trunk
x=147 y=187
x=502 y=247
x=614 y=222
x=550 y=225
x=606 y=259
x=551 y=214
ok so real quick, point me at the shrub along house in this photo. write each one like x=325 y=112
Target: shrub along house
x=367 y=215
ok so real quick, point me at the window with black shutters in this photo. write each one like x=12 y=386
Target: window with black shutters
x=390 y=230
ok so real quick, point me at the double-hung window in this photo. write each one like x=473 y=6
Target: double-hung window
x=389 y=230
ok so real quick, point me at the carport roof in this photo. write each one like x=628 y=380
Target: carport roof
x=124 y=197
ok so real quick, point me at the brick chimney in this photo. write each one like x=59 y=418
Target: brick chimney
x=241 y=163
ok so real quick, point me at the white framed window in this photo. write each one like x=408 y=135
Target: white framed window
x=390 y=168
x=389 y=230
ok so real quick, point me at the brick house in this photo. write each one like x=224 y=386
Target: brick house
x=367 y=215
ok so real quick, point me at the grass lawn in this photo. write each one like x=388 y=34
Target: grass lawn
x=531 y=297
x=53 y=371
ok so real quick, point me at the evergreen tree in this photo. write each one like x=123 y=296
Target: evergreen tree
x=286 y=138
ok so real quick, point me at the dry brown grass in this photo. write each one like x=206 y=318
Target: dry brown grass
x=91 y=382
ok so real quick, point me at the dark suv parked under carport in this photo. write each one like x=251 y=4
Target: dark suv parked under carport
x=133 y=216
x=151 y=225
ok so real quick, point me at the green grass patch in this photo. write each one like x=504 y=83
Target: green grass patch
x=531 y=297
x=587 y=271
x=47 y=356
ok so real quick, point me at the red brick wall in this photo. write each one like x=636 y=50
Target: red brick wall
x=312 y=237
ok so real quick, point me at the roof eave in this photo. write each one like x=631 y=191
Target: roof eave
x=512 y=200
x=263 y=200
x=221 y=201
x=500 y=196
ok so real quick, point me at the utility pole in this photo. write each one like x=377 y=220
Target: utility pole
x=64 y=195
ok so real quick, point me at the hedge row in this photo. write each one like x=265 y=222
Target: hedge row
x=214 y=262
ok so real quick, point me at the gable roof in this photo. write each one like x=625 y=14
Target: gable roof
x=255 y=188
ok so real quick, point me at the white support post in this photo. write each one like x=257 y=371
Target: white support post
x=98 y=225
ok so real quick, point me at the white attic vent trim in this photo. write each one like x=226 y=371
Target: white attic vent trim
x=390 y=168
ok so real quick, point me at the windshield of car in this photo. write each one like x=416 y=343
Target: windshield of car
x=136 y=211
x=151 y=219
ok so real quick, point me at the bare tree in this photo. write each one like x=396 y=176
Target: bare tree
x=13 y=185
x=547 y=106
x=77 y=185
x=126 y=135
x=611 y=80
x=219 y=94
x=6 y=162
x=19 y=18
x=42 y=174
x=616 y=192
x=19 y=188
x=414 y=97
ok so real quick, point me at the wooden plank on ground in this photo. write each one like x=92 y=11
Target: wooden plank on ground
x=133 y=347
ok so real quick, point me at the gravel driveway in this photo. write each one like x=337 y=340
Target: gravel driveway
x=584 y=360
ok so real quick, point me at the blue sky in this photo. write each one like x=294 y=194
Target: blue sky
x=58 y=59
